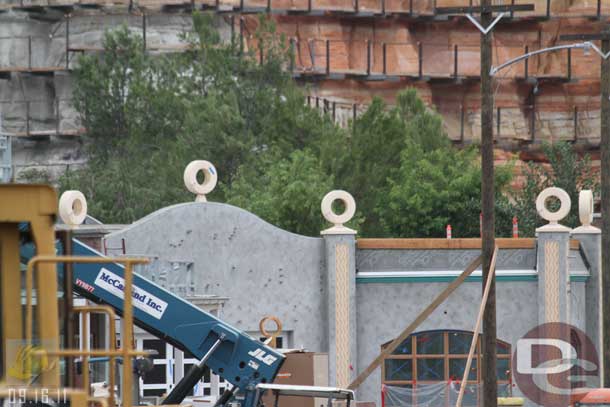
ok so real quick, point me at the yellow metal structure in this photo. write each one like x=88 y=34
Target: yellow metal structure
x=32 y=348
x=126 y=351
x=110 y=314
x=510 y=401
x=37 y=205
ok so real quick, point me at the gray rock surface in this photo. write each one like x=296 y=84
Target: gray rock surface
x=36 y=88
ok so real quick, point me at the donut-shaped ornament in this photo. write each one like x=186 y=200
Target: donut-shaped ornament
x=564 y=207
x=210 y=177
x=338 y=219
x=585 y=207
x=73 y=208
x=271 y=336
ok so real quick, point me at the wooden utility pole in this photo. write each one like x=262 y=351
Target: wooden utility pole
x=605 y=207
x=604 y=36
x=485 y=26
x=488 y=345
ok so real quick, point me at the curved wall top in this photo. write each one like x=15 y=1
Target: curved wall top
x=235 y=252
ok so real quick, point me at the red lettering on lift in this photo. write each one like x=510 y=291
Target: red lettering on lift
x=84 y=285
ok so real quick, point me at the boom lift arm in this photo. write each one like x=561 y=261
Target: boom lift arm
x=230 y=353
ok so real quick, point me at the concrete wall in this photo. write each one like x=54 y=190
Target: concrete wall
x=384 y=310
x=263 y=270
x=396 y=285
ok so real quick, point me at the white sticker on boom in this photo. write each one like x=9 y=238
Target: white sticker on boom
x=142 y=300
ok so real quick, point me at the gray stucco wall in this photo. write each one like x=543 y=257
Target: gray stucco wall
x=262 y=269
x=384 y=310
x=379 y=260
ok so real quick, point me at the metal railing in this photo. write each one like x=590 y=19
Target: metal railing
x=424 y=60
x=523 y=124
x=426 y=8
x=363 y=59
x=126 y=352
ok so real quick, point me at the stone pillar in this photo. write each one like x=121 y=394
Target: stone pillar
x=590 y=239
x=553 y=284
x=552 y=260
x=340 y=245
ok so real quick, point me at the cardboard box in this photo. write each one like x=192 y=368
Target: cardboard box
x=303 y=368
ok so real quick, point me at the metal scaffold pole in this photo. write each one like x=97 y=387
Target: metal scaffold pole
x=604 y=53
x=6 y=158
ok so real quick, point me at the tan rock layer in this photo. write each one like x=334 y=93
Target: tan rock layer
x=546 y=107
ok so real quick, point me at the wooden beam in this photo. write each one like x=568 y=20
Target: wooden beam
x=489 y=393
x=475 y=243
x=585 y=37
x=477 y=328
x=449 y=244
x=483 y=8
x=413 y=325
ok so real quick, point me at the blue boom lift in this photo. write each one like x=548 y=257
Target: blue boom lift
x=230 y=353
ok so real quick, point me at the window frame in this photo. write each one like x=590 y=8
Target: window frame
x=446 y=356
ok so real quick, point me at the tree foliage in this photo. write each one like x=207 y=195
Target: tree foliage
x=148 y=116
x=566 y=170
x=429 y=184
x=288 y=193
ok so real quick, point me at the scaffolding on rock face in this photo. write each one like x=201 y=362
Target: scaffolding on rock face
x=364 y=60
x=39 y=118
x=370 y=60
x=412 y=9
x=516 y=126
x=314 y=58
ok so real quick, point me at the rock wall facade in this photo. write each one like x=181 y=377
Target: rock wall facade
x=346 y=52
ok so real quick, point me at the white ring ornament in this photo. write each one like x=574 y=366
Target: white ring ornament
x=585 y=207
x=327 y=209
x=564 y=208
x=338 y=219
x=209 y=181
x=73 y=208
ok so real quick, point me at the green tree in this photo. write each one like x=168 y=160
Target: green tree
x=436 y=188
x=287 y=193
x=148 y=116
x=566 y=170
x=393 y=151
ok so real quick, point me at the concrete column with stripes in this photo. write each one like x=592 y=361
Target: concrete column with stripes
x=340 y=248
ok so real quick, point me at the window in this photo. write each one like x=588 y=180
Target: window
x=434 y=357
x=161 y=379
x=279 y=341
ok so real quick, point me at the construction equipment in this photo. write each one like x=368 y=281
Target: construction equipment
x=30 y=356
x=232 y=354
